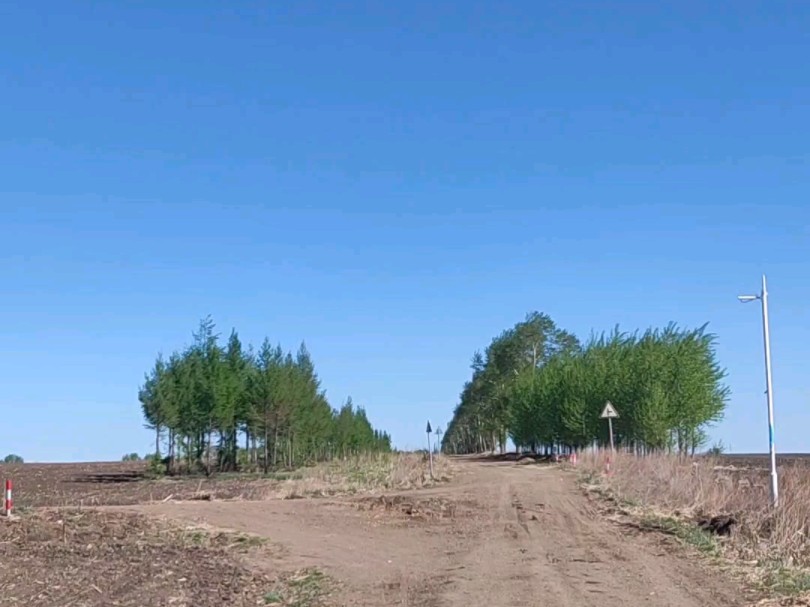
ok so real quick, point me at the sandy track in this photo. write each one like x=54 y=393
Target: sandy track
x=500 y=534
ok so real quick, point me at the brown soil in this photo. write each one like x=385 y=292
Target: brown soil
x=118 y=483
x=86 y=558
x=500 y=534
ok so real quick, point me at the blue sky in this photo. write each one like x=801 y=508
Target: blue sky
x=394 y=183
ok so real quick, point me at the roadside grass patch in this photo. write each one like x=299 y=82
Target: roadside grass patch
x=778 y=579
x=671 y=494
x=245 y=541
x=305 y=588
x=365 y=473
x=294 y=475
x=685 y=531
x=210 y=538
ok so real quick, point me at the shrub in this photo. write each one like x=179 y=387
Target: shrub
x=716 y=449
x=156 y=466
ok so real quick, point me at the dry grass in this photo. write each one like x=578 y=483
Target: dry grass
x=686 y=489
x=364 y=474
x=107 y=484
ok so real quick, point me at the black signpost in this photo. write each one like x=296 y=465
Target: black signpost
x=430 y=449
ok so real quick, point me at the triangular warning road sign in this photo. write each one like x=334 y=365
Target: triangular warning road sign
x=429 y=429
x=609 y=411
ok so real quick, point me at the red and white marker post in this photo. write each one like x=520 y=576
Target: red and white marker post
x=9 y=505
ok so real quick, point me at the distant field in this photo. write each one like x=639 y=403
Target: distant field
x=129 y=483
x=760 y=460
x=124 y=483
x=766 y=455
x=117 y=483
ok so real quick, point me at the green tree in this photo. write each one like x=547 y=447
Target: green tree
x=202 y=399
x=666 y=382
x=485 y=405
x=231 y=401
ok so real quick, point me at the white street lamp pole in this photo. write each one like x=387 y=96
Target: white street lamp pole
x=763 y=297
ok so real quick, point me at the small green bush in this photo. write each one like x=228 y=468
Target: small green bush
x=156 y=466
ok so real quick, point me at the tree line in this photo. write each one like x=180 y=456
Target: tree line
x=215 y=407
x=540 y=386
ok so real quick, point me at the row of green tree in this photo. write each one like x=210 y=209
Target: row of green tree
x=540 y=386
x=215 y=407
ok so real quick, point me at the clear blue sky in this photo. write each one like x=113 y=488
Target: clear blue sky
x=395 y=183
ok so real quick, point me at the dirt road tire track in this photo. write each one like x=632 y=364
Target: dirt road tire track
x=531 y=539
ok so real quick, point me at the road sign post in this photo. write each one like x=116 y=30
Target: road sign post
x=430 y=449
x=608 y=413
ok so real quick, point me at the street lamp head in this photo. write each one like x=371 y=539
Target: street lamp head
x=747 y=298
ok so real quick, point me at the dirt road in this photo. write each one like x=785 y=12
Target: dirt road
x=499 y=535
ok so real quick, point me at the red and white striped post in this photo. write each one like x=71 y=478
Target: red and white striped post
x=9 y=506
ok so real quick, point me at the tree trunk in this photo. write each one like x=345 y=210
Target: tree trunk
x=189 y=453
x=266 y=453
x=208 y=453
x=275 y=447
x=171 y=451
x=247 y=446
x=223 y=452
x=235 y=446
